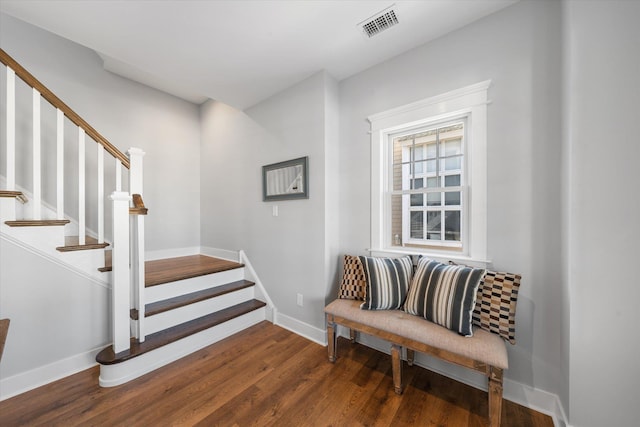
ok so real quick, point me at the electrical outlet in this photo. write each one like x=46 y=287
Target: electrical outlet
x=299 y=301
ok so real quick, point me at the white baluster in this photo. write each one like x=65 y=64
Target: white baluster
x=11 y=129
x=120 y=292
x=37 y=173
x=81 y=187
x=100 y=193
x=60 y=165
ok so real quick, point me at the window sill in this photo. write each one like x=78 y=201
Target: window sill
x=438 y=256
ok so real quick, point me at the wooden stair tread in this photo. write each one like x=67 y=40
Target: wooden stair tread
x=172 y=269
x=107 y=261
x=18 y=195
x=72 y=243
x=175 y=333
x=37 y=222
x=192 y=298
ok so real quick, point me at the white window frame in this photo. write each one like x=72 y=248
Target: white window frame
x=407 y=208
x=470 y=102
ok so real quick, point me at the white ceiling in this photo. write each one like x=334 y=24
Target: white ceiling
x=241 y=52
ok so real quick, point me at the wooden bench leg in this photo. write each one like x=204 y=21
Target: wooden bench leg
x=396 y=367
x=410 y=356
x=353 y=334
x=495 y=396
x=331 y=341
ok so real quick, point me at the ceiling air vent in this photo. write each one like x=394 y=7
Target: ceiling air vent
x=379 y=22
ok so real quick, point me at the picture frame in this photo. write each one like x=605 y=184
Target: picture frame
x=286 y=180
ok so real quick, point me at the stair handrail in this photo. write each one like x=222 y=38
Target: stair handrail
x=30 y=80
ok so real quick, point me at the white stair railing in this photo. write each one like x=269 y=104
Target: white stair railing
x=127 y=231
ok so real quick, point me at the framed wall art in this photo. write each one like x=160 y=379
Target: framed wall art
x=286 y=180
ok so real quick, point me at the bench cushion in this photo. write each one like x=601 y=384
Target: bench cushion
x=483 y=346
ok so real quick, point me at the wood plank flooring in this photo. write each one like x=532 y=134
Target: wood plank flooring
x=264 y=376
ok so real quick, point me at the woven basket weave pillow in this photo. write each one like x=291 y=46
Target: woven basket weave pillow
x=496 y=301
x=353 y=285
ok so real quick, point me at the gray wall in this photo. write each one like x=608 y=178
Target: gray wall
x=603 y=66
x=289 y=252
x=128 y=114
x=518 y=49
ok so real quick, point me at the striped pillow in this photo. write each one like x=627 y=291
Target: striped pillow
x=353 y=285
x=444 y=294
x=387 y=282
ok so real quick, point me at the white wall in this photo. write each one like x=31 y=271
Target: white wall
x=603 y=67
x=519 y=49
x=287 y=251
x=128 y=114
x=58 y=319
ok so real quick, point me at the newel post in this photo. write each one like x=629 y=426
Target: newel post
x=120 y=293
x=137 y=242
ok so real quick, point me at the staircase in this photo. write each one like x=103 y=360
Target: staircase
x=161 y=309
x=192 y=301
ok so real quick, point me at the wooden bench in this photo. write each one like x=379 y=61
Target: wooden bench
x=485 y=352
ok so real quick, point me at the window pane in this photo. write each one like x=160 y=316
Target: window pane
x=433 y=225
x=419 y=167
x=451 y=148
x=433 y=221
x=431 y=151
x=418 y=152
x=431 y=165
x=417 y=199
x=452 y=198
x=433 y=199
x=432 y=182
x=417 y=225
x=452 y=180
x=396 y=219
x=399 y=170
x=452 y=225
x=452 y=163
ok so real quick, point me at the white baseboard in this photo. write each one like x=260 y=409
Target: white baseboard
x=171 y=253
x=303 y=329
x=43 y=375
x=220 y=253
x=522 y=394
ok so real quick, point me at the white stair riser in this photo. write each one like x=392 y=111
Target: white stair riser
x=113 y=375
x=8 y=209
x=180 y=315
x=182 y=287
x=46 y=238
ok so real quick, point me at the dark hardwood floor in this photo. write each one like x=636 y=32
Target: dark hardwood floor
x=264 y=376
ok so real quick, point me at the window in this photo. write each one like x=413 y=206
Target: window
x=429 y=176
x=426 y=197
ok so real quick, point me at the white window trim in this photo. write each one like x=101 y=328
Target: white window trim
x=471 y=101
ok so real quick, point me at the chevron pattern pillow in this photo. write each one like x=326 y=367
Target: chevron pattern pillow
x=353 y=285
x=387 y=282
x=444 y=294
